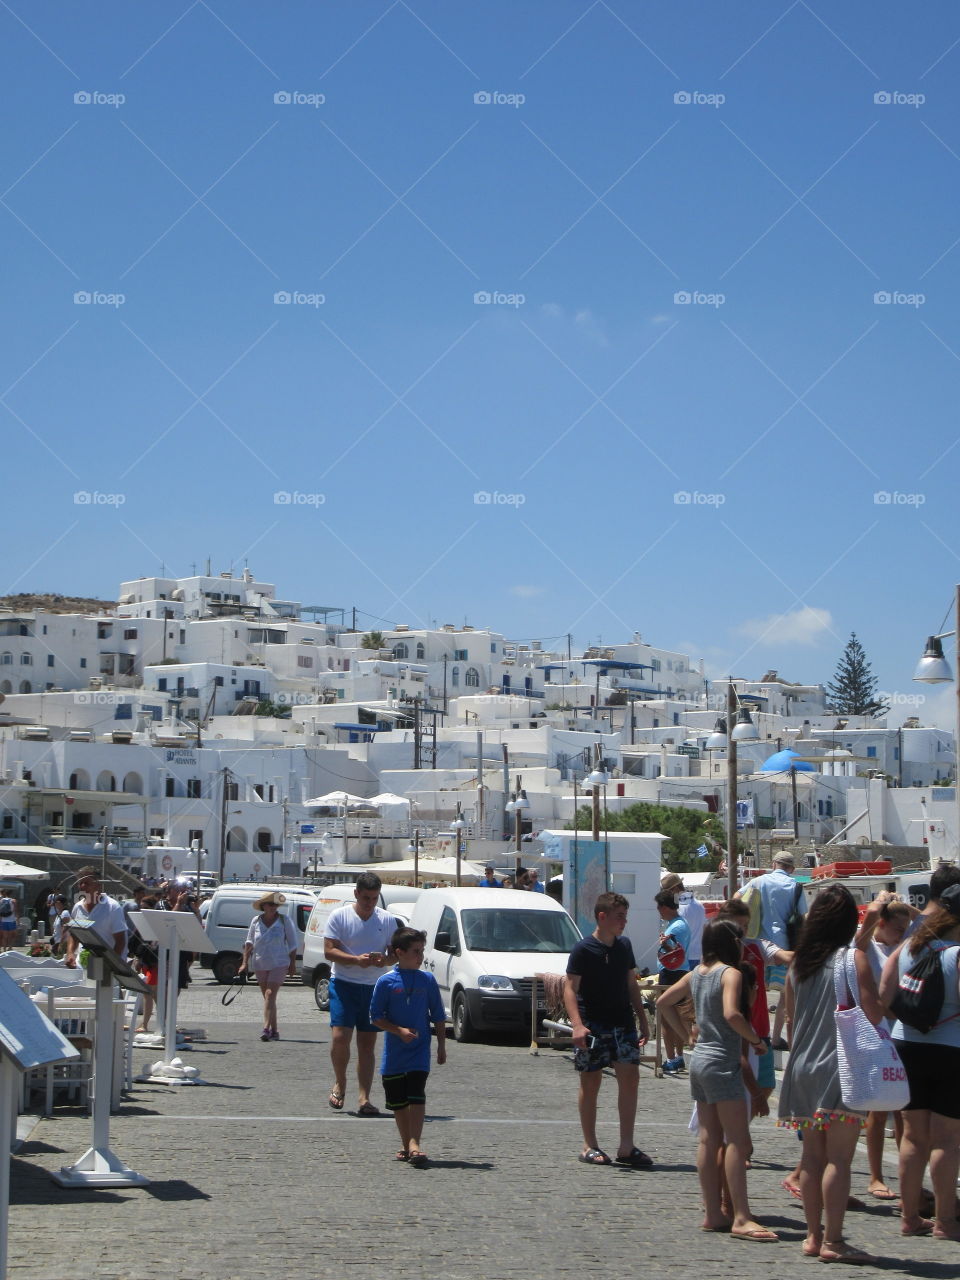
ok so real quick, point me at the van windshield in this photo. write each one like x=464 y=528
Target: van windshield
x=494 y=929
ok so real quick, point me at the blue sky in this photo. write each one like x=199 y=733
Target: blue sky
x=683 y=217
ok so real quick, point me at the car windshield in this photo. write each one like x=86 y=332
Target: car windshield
x=496 y=929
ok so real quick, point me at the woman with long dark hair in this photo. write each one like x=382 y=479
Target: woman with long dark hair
x=716 y=1082
x=931 y=1119
x=810 y=1097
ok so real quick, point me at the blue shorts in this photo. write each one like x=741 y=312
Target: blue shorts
x=775 y=978
x=350 y=1005
x=9 y=923
x=610 y=1044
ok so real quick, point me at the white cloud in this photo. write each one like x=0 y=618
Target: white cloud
x=803 y=626
x=583 y=321
x=526 y=591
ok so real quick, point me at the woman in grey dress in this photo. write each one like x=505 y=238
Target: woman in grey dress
x=810 y=1097
x=715 y=1079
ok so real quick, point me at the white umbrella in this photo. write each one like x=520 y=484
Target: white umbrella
x=17 y=871
x=335 y=800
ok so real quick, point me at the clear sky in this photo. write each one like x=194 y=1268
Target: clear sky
x=784 y=167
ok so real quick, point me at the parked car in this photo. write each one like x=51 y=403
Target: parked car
x=315 y=971
x=484 y=947
x=228 y=917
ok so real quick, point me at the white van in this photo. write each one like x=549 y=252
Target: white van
x=228 y=918
x=315 y=972
x=483 y=948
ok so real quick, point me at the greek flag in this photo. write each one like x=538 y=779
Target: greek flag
x=703 y=851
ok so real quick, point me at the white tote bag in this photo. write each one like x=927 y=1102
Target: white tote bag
x=872 y=1077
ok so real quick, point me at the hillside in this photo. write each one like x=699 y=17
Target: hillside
x=54 y=603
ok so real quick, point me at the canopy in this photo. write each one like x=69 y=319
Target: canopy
x=335 y=800
x=430 y=868
x=17 y=871
x=390 y=805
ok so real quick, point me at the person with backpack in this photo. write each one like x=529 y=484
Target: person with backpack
x=921 y=987
x=8 y=921
x=782 y=906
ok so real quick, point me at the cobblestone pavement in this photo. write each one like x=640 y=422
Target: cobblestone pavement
x=253 y=1176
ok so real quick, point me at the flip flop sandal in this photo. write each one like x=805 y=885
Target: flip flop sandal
x=368 y=1109
x=419 y=1160
x=637 y=1159
x=402 y=1155
x=594 y=1156
x=794 y=1191
x=336 y=1099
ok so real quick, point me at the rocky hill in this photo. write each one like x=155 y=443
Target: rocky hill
x=54 y=603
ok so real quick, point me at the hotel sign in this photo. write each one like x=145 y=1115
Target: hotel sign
x=181 y=756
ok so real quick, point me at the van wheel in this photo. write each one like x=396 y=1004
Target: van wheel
x=321 y=993
x=225 y=967
x=463 y=1029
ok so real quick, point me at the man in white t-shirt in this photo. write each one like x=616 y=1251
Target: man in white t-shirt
x=692 y=912
x=98 y=911
x=356 y=944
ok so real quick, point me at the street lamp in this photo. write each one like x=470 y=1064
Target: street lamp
x=458 y=826
x=717 y=740
x=520 y=804
x=933 y=668
x=414 y=848
x=597 y=779
x=745 y=730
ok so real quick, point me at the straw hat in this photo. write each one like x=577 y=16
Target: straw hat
x=277 y=899
x=670 y=880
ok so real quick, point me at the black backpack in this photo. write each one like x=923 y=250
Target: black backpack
x=921 y=992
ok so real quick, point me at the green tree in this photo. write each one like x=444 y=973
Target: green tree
x=853 y=689
x=372 y=640
x=688 y=830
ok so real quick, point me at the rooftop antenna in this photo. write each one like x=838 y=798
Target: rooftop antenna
x=208 y=566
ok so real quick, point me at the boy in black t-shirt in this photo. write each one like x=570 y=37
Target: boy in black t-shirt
x=602 y=996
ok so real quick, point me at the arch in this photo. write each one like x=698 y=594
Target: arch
x=25 y=686
x=472 y=679
x=236 y=840
x=455 y=677
x=133 y=783
x=6 y=686
x=79 y=780
x=106 y=781
x=400 y=650
x=262 y=840
x=421 y=650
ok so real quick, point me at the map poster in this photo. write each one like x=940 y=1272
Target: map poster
x=589 y=875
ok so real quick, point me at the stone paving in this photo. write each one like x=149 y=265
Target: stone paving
x=253 y=1176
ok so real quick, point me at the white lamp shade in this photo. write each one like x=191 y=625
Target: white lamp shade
x=744 y=730
x=599 y=778
x=521 y=801
x=718 y=739
x=933 y=668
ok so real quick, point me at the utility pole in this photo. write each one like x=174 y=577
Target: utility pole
x=224 y=773
x=732 y=868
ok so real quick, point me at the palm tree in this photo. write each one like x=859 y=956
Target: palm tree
x=372 y=640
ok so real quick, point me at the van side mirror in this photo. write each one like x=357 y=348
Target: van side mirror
x=442 y=941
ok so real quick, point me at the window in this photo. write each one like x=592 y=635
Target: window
x=26 y=660
x=6 y=659
x=304 y=660
x=130 y=633
x=872 y=753
x=233 y=790
x=162 y=684
x=195 y=835
x=193 y=788
x=421 y=651
x=455 y=677
x=493 y=647
x=49 y=659
x=83 y=663
x=44 y=629
x=472 y=678
x=448 y=925
x=655 y=664
x=400 y=651
x=896 y=753
x=460 y=655
x=171 y=787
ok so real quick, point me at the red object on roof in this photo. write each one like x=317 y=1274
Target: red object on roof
x=833 y=870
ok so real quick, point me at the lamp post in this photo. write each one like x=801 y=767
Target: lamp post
x=933 y=668
x=597 y=779
x=520 y=804
x=732 y=867
x=458 y=827
x=414 y=848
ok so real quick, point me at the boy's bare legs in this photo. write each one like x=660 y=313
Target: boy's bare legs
x=416 y=1112
x=587 y=1104
x=402 y=1117
x=628 y=1079
x=340 y=1038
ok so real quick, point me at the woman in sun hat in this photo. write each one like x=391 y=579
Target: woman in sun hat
x=271 y=952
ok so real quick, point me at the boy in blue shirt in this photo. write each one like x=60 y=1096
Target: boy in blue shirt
x=405 y=1001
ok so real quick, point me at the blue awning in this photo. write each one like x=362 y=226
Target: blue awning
x=361 y=728
x=614 y=664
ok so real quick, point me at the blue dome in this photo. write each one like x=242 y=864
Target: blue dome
x=781 y=761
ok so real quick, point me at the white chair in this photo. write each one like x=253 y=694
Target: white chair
x=75 y=1016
